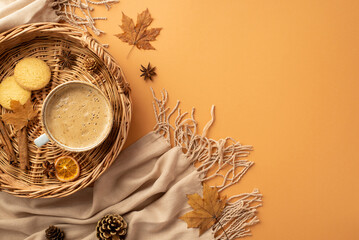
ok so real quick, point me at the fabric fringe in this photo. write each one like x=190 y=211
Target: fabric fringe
x=69 y=11
x=238 y=216
x=213 y=159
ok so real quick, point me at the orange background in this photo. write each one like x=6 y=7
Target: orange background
x=283 y=75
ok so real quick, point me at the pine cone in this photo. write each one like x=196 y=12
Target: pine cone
x=111 y=227
x=54 y=233
x=90 y=64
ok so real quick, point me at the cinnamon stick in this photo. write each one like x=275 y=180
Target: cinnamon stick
x=23 y=149
x=7 y=142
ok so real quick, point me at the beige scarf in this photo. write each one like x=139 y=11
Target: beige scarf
x=75 y=12
x=17 y=12
x=148 y=185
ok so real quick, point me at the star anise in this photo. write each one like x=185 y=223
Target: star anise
x=67 y=59
x=148 y=72
x=49 y=169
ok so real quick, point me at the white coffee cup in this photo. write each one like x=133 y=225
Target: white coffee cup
x=48 y=136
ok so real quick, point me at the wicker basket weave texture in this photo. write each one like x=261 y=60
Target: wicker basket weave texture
x=46 y=41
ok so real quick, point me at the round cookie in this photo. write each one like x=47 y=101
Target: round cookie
x=32 y=73
x=10 y=90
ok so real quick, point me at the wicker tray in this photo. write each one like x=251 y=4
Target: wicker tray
x=46 y=41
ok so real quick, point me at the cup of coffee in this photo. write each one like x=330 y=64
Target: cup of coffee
x=77 y=116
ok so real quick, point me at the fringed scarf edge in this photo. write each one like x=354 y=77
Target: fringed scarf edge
x=241 y=210
x=69 y=10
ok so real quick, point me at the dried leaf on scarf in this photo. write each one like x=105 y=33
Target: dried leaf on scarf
x=206 y=210
x=138 y=35
x=21 y=115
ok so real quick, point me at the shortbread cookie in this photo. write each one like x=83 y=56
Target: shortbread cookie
x=10 y=90
x=32 y=73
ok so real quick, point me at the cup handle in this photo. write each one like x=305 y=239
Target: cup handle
x=42 y=140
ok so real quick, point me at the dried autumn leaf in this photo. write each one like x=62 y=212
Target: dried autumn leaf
x=21 y=115
x=206 y=210
x=138 y=35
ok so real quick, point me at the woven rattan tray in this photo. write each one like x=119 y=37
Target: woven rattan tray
x=46 y=41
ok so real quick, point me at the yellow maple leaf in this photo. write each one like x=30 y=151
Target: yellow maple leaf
x=206 y=210
x=21 y=115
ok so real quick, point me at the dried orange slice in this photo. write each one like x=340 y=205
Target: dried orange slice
x=67 y=169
